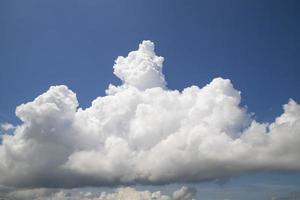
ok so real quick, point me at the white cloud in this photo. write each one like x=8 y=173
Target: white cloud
x=126 y=193
x=132 y=194
x=184 y=193
x=6 y=127
x=142 y=132
x=142 y=68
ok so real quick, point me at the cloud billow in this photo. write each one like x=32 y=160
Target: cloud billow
x=142 y=132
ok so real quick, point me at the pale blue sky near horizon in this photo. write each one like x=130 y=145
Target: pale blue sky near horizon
x=256 y=44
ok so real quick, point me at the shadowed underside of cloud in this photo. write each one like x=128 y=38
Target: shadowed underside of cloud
x=142 y=132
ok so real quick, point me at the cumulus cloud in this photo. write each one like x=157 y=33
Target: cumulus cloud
x=142 y=68
x=142 y=132
x=185 y=193
x=126 y=193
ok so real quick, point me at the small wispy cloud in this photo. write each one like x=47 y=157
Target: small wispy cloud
x=7 y=126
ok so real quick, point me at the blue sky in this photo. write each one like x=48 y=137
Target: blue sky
x=255 y=44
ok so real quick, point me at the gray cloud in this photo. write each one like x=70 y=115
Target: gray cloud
x=142 y=132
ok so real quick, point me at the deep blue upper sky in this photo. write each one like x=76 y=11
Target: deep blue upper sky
x=256 y=44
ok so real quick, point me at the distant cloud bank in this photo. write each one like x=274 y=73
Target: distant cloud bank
x=125 y=193
x=142 y=132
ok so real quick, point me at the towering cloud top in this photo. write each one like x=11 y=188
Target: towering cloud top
x=142 y=133
x=142 y=68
